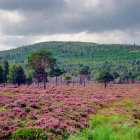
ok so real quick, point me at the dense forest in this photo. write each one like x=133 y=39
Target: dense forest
x=72 y=56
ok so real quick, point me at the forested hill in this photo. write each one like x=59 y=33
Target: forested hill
x=73 y=55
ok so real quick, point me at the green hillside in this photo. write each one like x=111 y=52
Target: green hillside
x=73 y=55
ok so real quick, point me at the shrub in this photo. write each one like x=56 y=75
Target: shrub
x=30 y=134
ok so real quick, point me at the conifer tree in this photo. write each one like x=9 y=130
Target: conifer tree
x=55 y=72
x=1 y=74
x=83 y=73
x=16 y=74
x=104 y=77
x=5 y=66
x=41 y=60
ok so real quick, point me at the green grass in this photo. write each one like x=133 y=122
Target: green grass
x=30 y=134
x=24 y=122
x=108 y=132
x=111 y=124
x=2 y=109
x=109 y=128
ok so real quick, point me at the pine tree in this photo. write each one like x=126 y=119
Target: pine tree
x=55 y=72
x=5 y=66
x=41 y=60
x=16 y=74
x=1 y=74
x=104 y=77
x=83 y=73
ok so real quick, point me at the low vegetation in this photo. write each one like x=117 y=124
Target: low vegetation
x=70 y=112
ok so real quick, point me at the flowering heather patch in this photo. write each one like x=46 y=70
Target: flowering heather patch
x=57 y=109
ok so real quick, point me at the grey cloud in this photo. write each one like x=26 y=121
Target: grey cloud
x=30 y=4
x=16 y=41
x=49 y=17
x=108 y=15
x=59 y=16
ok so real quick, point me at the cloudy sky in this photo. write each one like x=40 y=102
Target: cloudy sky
x=101 y=21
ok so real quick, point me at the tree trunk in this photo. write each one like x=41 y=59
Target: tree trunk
x=73 y=83
x=38 y=83
x=83 y=79
x=84 y=82
x=18 y=84
x=80 y=80
x=61 y=80
x=44 y=78
x=67 y=82
x=105 y=84
x=56 y=80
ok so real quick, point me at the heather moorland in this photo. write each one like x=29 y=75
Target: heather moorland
x=70 y=112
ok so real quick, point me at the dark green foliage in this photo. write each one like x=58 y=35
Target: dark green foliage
x=30 y=134
x=16 y=74
x=115 y=74
x=21 y=75
x=78 y=53
x=133 y=77
x=40 y=61
x=83 y=73
x=29 y=78
x=37 y=74
x=138 y=78
x=1 y=74
x=124 y=77
x=67 y=78
x=55 y=72
x=12 y=76
x=104 y=77
x=72 y=56
x=5 y=66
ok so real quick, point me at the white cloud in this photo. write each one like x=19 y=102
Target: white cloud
x=108 y=37
x=10 y=16
x=5 y=47
x=105 y=37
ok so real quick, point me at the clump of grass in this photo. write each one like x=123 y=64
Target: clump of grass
x=2 y=109
x=23 y=122
x=109 y=132
x=109 y=128
x=30 y=134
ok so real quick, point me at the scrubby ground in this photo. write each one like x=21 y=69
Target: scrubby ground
x=70 y=112
x=119 y=121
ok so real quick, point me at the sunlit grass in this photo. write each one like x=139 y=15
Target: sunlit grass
x=109 y=128
x=23 y=122
x=108 y=132
x=2 y=109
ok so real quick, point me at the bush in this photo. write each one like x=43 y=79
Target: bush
x=30 y=134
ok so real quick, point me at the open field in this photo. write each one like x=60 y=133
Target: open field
x=63 y=111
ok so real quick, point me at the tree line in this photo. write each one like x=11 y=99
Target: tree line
x=72 y=56
x=42 y=64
